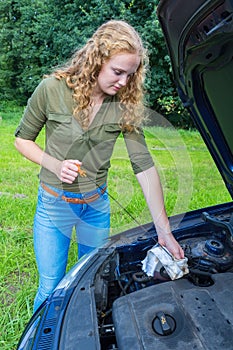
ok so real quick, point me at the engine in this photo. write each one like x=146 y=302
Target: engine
x=140 y=312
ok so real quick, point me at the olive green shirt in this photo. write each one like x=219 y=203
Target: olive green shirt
x=51 y=105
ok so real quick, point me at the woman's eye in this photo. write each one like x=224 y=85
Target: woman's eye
x=117 y=72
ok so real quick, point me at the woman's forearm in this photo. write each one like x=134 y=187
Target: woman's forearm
x=151 y=186
x=152 y=189
x=34 y=153
x=65 y=170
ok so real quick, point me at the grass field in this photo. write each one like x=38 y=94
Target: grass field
x=188 y=174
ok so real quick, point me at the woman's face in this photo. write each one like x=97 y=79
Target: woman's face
x=116 y=72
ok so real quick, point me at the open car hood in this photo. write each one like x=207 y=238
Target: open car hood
x=199 y=37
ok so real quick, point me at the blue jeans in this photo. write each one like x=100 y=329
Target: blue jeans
x=53 y=225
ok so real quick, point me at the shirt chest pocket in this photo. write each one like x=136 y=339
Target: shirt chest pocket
x=62 y=129
x=112 y=130
x=103 y=139
x=104 y=133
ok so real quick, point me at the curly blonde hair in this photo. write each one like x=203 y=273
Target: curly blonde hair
x=81 y=73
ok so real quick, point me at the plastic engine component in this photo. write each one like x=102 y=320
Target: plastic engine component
x=154 y=317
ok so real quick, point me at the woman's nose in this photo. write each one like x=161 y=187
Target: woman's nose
x=123 y=80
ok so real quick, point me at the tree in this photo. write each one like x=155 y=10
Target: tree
x=37 y=35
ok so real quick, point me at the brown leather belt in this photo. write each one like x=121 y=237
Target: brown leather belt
x=73 y=200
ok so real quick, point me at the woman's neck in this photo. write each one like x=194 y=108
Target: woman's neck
x=97 y=96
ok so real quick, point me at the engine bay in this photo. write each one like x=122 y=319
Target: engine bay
x=140 y=312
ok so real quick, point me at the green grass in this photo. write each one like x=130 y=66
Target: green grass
x=188 y=174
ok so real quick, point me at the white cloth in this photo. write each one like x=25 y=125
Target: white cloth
x=159 y=256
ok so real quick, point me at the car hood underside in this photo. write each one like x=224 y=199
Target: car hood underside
x=199 y=37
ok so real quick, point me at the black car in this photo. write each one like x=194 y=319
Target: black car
x=106 y=301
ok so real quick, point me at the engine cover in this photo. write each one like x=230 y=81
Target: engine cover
x=176 y=315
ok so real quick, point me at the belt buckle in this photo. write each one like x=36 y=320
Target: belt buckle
x=72 y=200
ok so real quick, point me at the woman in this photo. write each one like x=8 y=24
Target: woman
x=84 y=107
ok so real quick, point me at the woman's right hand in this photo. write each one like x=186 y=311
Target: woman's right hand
x=68 y=170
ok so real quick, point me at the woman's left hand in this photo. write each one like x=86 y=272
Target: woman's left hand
x=169 y=241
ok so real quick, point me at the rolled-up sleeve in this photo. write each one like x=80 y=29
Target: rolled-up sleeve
x=34 y=116
x=139 y=155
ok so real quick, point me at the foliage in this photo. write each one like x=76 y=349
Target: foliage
x=37 y=35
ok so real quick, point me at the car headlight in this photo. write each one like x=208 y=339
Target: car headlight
x=70 y=277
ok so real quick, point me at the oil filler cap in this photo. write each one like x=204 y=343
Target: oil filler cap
x=163 y=324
